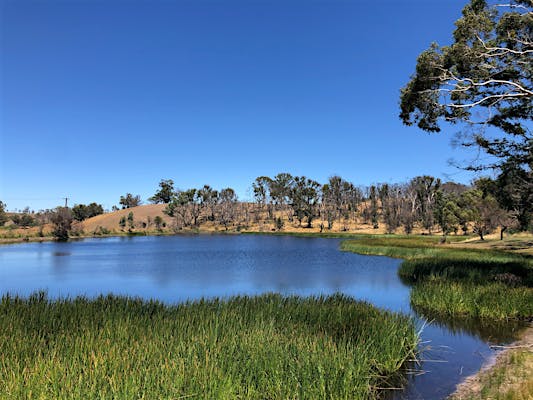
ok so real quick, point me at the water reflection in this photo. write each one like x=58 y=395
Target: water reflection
x=492 y=332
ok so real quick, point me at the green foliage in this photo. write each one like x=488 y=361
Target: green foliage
x=304 y=197
x=122 y=222
x=81 y=212
x=165 y=192
x=130 y=200
x=158 y=221
x=483 y=77
x=101 y=231
x=23 y=220
x=482 y=80
x=265 y=347
x=130 y=219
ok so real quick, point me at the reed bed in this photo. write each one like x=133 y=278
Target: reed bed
x=458 y=282
x=264 y=347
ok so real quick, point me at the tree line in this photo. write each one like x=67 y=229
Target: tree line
x=424 y=203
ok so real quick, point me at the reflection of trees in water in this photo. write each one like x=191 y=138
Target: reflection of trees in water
x=490 y=331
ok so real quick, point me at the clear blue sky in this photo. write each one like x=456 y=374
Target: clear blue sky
x=100 y=98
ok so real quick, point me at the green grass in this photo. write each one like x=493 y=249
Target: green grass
x=487 y=301
x=458 y=282
x=265 y=347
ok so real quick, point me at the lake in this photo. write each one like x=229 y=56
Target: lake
x=178 y=268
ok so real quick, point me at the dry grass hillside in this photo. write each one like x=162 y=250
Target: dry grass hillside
x=141 y=215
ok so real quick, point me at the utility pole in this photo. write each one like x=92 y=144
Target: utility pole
x=66 y=201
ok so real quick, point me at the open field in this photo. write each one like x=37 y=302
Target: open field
x=245 y=347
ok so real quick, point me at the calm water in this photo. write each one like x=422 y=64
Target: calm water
x=177 y=268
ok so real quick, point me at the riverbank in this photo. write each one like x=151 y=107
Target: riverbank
x=508 y=376
x=267 y=346
x=462 y=281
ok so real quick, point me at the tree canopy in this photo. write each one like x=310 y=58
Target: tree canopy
x=482 y=79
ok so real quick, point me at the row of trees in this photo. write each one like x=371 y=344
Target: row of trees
x=424 y=202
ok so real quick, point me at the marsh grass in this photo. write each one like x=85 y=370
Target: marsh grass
x=449 y=281
x=265 y=347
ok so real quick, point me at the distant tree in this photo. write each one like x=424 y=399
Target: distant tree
x=426 y=188
x=158 y=221
x=513 y=189
x=304 y=197
x=280 y=190
x=279 y=223
x=208 y=198
x=3 y=215
x=227 y=207
x=130 y=218
x=130 y=201
x=24 y=219
x=261 y=188
x=122 y=222
x=61 y=219
x=185 y=206
x=94 y=209
x=485 y=212
x=165 y=192
x=391 y=203
x=81 y=212
x=374 y=210
x=446 y=212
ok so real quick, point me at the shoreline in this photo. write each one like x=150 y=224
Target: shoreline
x=472 y=386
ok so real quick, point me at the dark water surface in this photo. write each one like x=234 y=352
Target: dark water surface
x=176 y=268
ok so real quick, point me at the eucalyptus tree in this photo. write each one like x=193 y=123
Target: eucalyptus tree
x=392 y=204
x=341 y=199
x=304 y=197
x=165 y=192
x=261 y=187
x=208 y=198
x=483 y=79
x=484 y=211
x=81 y=212
x=185 y=207
x=280 y=190
x=227 y=207
x=130 y=200
x=426 y=188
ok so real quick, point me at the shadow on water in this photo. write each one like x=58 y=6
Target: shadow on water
x=491 y=331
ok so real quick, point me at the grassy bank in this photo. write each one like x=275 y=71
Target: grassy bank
x=245 y=347
x=458 y=281
x=455 y=282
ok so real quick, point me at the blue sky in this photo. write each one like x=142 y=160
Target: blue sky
x=100 y=98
